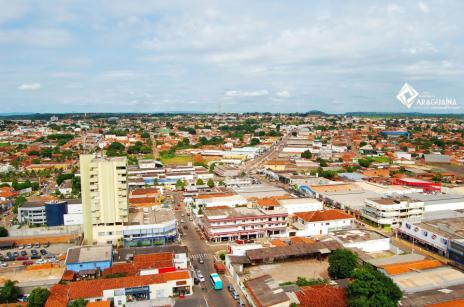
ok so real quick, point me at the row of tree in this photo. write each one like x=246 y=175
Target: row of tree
x=369 y=287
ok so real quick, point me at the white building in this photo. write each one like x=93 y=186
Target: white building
x=392 y=211
x=320 y=222
x=294 y=205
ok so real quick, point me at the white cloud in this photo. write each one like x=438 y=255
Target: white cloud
x=424 y=7
x=11 y=10
x=29 y=87
x=45 y=37
x=234 y=93
x=283 y=94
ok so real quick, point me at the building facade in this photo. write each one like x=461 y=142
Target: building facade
x=392 y=211
x=104 y=194
x=241 y=223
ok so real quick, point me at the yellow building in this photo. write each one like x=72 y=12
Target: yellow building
x=104 y=197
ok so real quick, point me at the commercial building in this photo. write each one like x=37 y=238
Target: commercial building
x=392 y=211
x=224 y=224
x=426 y=186
x=150 y=226
x=104 y=196
x=443 y=236
x=32 y=213
x=89 y=259
x=320 y=222
x=147 y=290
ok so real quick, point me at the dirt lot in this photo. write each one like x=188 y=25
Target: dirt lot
x=23 y=276
x=291 y=270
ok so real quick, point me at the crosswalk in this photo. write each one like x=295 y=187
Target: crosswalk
x=201 y=255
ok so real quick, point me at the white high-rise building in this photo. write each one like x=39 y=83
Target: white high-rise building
x=104 y=197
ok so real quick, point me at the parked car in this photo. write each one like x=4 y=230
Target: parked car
x=41 y=261
x=46 y=244
x=241 y=304
x=43 y=251
x=230 y=288
x=21 y=246
x=29 y=245
x=28 y=262
x=23 y=253
x=35 y=256
x=21 y=258
x=34 y=251
x=36 y=245
x=15 y=254
x=3 y=264
x=235 y=295
x=200 y=260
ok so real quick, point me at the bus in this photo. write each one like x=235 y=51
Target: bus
x=216 y=281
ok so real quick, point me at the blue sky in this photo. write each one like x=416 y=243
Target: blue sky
x=233 y=56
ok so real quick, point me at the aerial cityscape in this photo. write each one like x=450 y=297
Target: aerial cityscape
x=216 y=153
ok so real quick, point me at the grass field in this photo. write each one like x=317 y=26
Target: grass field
x=177 y=160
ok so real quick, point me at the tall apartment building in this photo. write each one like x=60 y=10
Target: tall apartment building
x=104 y=197
x=392 y=211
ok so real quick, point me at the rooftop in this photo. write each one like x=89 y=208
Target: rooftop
x=147 y=215
x=266 y=292
x=89 y=253
x=237 y=212
x=323 y=215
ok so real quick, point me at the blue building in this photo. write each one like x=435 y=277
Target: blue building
x=89 y=259
x=55 y=212
x=395 y=133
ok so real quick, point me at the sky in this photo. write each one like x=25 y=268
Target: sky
x=228 y=56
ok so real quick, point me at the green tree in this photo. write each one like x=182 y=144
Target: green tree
x=306 y=154
x=342 y=262
x=210 y=183
x=200 y=182
x=38 y=297
x=9 y=292
x=180 y=184
x=3 y=232
x=115 y=149
x=254 y=141
x=78 y=303
x=372 y=288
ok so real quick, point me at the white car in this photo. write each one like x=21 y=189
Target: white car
x=200 y=276
x=3 y=264
x=41 y=261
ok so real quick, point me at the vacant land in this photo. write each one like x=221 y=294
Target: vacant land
x=291 y=270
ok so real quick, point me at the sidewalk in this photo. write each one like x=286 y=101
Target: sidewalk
x=407 y=246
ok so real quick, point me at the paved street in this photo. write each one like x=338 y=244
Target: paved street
x=198 y=248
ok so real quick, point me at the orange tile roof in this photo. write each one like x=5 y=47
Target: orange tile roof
x=145 y=191
x=267 y=201
x=58 y=296
x=322 y=296
x=277 y=242
x=153 y=257
x=300 y=240
x=143 y=200
x=94 y=288
x=454 y=303
x=400 y=268
x=99 y=304
x=323 y=215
